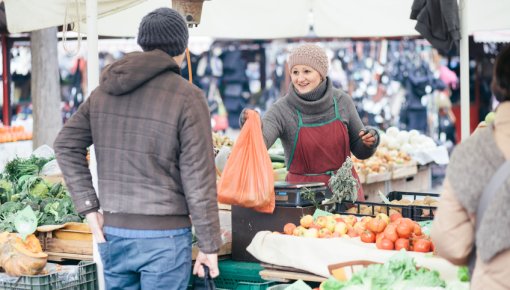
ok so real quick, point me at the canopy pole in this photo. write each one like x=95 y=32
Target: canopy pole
x=5 y=82
x=92 y=83
x=92 y=47
x=464 y=71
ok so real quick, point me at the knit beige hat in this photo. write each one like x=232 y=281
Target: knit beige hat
x=310 y=55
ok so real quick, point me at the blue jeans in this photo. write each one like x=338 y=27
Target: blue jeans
x=147 y=263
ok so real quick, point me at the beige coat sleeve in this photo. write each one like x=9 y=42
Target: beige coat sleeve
x=453 y=229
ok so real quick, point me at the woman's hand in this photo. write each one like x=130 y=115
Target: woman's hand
x=368 y=137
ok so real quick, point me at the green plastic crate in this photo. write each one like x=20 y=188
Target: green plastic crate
x=239 y=276
x=86 y=280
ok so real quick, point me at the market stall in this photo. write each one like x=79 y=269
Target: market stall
x=295 y=242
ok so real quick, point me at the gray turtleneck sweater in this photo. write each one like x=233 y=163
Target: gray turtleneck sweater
x=317 y=106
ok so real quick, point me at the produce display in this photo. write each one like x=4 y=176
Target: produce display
x=406 y=141
x=13 y=134
x=387 y=232
x=394 y=155
x=21 y=186
x=220 y=141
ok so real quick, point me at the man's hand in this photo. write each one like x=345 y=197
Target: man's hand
x=95 y=221
x=210 y=260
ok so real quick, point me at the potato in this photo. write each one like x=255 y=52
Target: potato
x=419 y=202
x=367 y=211
x=396 y=209
x=352 y=210
x=405 y=201
x=429 y=200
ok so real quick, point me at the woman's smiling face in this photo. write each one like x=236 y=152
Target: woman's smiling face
x=304 y=78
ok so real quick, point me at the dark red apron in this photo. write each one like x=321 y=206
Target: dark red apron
x=319 y=151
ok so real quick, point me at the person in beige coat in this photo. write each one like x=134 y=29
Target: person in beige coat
x=472 y=165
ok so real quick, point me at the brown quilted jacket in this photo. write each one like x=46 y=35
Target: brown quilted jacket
x=152 y=138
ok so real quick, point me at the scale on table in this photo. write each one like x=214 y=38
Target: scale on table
x=290 y=193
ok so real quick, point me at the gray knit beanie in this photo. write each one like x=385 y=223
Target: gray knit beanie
x=165 y=29
x=311 y=55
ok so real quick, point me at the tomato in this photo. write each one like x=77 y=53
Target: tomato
x=391 y=232
x=289 y=228
x=397 y=220
x=421 y=245
x=417 y=229
x=395 y=216
x=378 y=239
x=386 y=244
x=408 y=221
x=402 y=244
x=404 y=230
x=417 y=237
x=352 y=233
x=368 y=237
x=379 y=236
x=376 y=225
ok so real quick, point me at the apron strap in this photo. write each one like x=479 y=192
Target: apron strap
x=337 y=114
x=300 y=119
x=300 y=124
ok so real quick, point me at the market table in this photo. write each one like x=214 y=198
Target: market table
x=287 y=274
x=315 y=255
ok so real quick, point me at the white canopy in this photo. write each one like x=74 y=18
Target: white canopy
x=255 y=19
x=262 y=19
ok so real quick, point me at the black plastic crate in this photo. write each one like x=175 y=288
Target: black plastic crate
x=412 y=211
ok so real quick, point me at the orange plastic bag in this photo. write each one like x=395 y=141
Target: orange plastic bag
x=247 y=179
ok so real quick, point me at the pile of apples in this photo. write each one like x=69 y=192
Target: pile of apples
x=388 y=233
x=332 y=226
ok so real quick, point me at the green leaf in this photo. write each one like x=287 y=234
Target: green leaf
x=463 y=274
x=25 y=222
x=320 y=212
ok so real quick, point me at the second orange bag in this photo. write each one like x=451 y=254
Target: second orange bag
x=247 y=179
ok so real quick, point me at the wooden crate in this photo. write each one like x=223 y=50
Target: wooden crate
x=378 y=177
x=403 y=171
x=70 y=241
x=420 y=182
